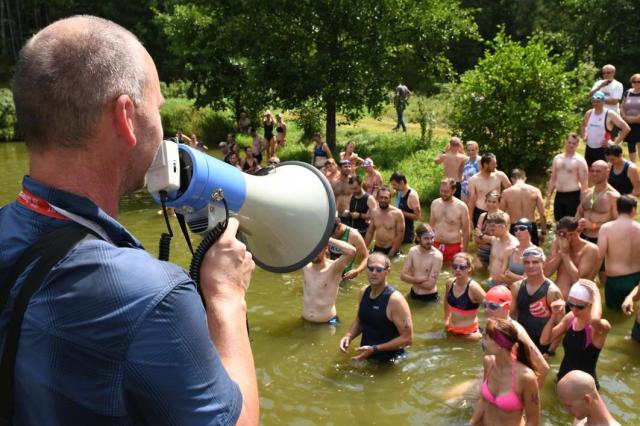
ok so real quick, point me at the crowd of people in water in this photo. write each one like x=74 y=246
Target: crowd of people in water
x=528 y=314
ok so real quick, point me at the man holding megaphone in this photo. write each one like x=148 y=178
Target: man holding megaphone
x=111 y=335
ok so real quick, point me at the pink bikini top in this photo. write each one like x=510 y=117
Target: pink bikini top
x=507 y=401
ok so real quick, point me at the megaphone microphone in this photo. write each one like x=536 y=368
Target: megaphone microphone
x=286 y=212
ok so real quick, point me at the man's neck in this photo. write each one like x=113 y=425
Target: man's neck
x=535 y=280
x=376 y=290
x=599 y=415
x=485 y=173
x=569 y=154
x=599 y=187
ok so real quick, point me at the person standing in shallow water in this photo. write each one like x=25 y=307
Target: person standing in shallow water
x=463 y=296
x=423 y=266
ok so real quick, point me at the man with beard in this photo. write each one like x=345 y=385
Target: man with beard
x=348 y=234
x=342 y=189
x=322 y=278
x=489 y=179
x=522 y=200
x=569 y=177
x=571 y=256
x=423 y=266
x=361 y=206
x=387 y=225
x=450 y=220
x=453 y=161
x=408 y=201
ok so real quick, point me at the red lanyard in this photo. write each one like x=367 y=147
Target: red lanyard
x=38 y=205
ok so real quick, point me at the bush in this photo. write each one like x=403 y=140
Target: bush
x=8 y=118
x=310 y=118
x=518 y=103
x=213 y=126
x=210 y=126
x=178 y=113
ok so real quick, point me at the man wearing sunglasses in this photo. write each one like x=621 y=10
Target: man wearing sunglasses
x=572 y=257
x=521 y=201
x=423 y=266
x=384 y=317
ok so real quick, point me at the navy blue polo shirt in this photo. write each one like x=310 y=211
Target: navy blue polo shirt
x=113 y=336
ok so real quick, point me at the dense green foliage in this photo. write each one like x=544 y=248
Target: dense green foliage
x=7 y=116
x=210 y=126
x=518 y=103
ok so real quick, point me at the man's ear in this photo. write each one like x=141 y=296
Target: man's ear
x=123 y=114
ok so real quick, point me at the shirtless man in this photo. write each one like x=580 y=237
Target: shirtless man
x=387 y=224
x=450 y=220
x=569 y=177
x=521 y=201
x=453 y=161
x=341 y=187
x=571 y=256
x=408 y=201
x=578 y=393
x=487 y=180
x=350 y=235
x=619 y=244
x=502 y=244
x=423 y=266
x=321 y=282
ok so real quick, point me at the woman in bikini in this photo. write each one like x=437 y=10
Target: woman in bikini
x=509 y=387
x=350 y=155
x=463 y=296
x=492 y=200
x=281 y=132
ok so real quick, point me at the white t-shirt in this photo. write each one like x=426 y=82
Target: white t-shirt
x=613 y=90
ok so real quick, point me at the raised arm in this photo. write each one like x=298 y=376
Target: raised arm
x=348 y=253
x=361 y=250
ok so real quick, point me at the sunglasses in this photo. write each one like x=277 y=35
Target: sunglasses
x=573 y=305
x=491 y=306
x=458 y=267
x=520 y=228
x=378 y=269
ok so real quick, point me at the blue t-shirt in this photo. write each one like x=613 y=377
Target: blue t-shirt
x=113 y=336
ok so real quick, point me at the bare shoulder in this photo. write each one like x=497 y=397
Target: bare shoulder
x=437 y=254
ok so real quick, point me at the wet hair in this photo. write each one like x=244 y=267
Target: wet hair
x=508 y=330
x=518 y=174
x=355 y=178
x=398 y=177
x=614 y=151
x=626 y=203
x=467 y=258
x=450 y=182
x=497 y=218
x=420 y=229
x=492 y=194
x=487 y=158
x=569 y=223
x=65 y=80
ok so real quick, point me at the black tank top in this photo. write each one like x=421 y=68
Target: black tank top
x=358 y=205
x=376 y=327
x=403 y=205
x=533 y=310
x=579 y=352
x=463 y=302
x=621 y=182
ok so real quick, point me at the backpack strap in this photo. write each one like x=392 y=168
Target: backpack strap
x=46 y=253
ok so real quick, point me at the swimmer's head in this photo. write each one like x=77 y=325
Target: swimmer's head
x=447 y=188
x=378 y=268
x=577 y=392
x=497 y=302
x=462 y=259
x=424 y=235
x=522 y=225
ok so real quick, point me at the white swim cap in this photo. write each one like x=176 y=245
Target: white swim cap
x=581 y=292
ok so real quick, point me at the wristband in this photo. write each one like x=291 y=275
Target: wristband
x=375 y=349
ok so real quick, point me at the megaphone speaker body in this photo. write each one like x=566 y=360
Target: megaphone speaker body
x=286 y=212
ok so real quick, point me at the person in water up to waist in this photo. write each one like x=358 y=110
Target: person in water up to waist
x=408 y=201
x=423 y=266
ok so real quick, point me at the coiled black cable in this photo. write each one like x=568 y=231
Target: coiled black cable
x=165 y=239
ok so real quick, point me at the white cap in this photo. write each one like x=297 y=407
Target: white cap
x=581 y=292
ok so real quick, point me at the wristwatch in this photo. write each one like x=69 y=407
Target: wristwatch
x=375 y=349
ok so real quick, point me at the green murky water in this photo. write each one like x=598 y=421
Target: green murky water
x=304 y=379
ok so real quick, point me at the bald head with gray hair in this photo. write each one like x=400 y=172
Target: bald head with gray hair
x=68 y=73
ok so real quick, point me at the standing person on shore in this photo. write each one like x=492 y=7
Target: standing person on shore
x=569 y=178
x=610 y=87
x=258 y=145
x=521 y=201
x=597 y=125
x=423 y=266
x=509 y=388
x=387 y=225
x=281 y=132
x=94 y=344
x=619 y=245
x=268 y=123
x=463 y=296
x=623 y=176
x=578 y=393
x=373 y=178
x=321 y=152
x=470 y=168
x=401 y=100
x=349 y=153
x=487 y=180
x=331 y=171
x=384 y=317
x=450 y=220
x=361 y=206
x=453 y=161
x=630 y=113
x=408 y=201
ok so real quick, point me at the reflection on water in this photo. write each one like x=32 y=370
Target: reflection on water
x=305 y=380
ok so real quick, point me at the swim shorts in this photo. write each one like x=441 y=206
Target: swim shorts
x=427 y=298
x=384 y=250
x=566 y=204
x=448 y=250
x=617 y=288
x=635 y=331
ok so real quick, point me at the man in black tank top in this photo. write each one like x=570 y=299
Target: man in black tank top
x=360 y=206
x=624 y=174
x=384 y=317
x=408 y=201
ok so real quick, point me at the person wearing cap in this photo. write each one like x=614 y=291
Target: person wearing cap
x=624 y=175
x=597 y=126
x=453 y=160
x=496 y=304
x=361 y=205
x=463 y=296
x=583 y=328
x=348 y=234
x=470 y=168
x=569 y=178
x=502 y=243
x=619 y=244
x=611 y=88
x=342 y=188
x=521 y=201
x=373 y=178
x=578 y=393
x=514 y=267
x=487 y=180
x=322 y=278
x=387 y=225
x=450 y=219
x=533 y=297
x=408 y=201
x=572 y=257
x=627 y=308
x=423 y=266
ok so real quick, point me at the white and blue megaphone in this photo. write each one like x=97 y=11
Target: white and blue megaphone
x=286 y=213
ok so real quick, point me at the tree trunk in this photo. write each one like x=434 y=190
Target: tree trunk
x=331 y=123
